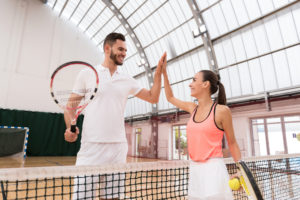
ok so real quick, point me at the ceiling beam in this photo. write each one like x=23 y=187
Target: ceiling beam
x=144 y=60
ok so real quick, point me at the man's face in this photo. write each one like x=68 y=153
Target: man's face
x=118 y=52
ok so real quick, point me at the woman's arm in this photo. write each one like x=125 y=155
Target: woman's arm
x=226 y=122
x=183 y=105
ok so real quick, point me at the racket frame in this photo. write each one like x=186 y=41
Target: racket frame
x=80 y=108
x=251 y=184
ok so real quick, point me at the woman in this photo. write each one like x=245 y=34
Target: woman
x=209 y=120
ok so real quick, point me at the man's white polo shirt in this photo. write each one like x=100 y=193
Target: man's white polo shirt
x=104 y=116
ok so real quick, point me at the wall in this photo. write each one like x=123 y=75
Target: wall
x=241 y=123
x=34 y=41
x=242 y=116
x=145 y=136
x=164 y=139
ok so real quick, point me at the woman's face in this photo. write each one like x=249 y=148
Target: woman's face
x=198 y=85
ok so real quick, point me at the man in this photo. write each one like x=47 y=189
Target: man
x=103 y=134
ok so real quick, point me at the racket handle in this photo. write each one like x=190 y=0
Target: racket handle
x=73 y=128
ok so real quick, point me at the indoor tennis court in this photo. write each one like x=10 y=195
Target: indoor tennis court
x=150 y=99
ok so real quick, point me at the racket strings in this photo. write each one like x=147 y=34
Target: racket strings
x=74 y=86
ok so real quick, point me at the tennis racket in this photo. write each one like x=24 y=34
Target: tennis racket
x=248 y=182
x=73 y=86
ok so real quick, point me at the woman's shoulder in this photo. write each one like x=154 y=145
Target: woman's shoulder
x=222 y=109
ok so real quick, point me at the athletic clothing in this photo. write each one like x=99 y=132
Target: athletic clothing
x=92 y=153
x=104 y=116
x=204 y=138
x=103 y=139
x=100 y=154
x=208 y=178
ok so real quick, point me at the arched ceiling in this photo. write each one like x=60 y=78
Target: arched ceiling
x=256 y=42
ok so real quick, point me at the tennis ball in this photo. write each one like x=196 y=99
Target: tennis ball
x=234 y=184
x=298 y=136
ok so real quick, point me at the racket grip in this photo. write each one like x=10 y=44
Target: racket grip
x=73 y=128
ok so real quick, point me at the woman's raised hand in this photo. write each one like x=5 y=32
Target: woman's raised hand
x=162 y=64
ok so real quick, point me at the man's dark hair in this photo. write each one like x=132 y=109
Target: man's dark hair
x=112 y=37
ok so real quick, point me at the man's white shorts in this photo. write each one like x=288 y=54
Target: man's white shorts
x=100 y=154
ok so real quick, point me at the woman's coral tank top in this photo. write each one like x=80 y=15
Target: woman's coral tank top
x=204 y=138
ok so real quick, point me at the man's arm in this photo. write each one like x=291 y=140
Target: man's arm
x=152 y=95
x=69 y=116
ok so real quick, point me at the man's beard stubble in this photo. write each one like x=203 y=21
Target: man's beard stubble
x=114 y=58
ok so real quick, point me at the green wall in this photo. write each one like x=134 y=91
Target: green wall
x=46 y=132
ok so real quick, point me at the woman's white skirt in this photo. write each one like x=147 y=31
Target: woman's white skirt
x=209 y=180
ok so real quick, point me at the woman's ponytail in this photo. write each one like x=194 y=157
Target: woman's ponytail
x=222 y=95
x=215 y=85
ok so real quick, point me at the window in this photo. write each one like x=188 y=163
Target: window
x=179 y=139
x=138 y=142
x=276 y=135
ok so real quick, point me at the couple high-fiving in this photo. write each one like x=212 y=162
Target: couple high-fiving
x=103 y=138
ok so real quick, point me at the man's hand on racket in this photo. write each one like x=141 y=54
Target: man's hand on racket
x=70 y=136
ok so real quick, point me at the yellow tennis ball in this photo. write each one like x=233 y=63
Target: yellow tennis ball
x=234 y=184
x=298 y=136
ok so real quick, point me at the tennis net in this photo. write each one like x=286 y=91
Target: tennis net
x=278 y=178
x=149 y=180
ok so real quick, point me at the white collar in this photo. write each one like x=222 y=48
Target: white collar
x=102 y=68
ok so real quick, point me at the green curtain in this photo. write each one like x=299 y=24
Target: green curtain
x=46 y=132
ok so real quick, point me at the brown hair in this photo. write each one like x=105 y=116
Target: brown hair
x=112 y=37
x=215 y=84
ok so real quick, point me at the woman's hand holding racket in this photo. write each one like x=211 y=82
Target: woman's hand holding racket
x=248 y=181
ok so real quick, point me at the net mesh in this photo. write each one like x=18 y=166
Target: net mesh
x=157 y=180
x=277 y=177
